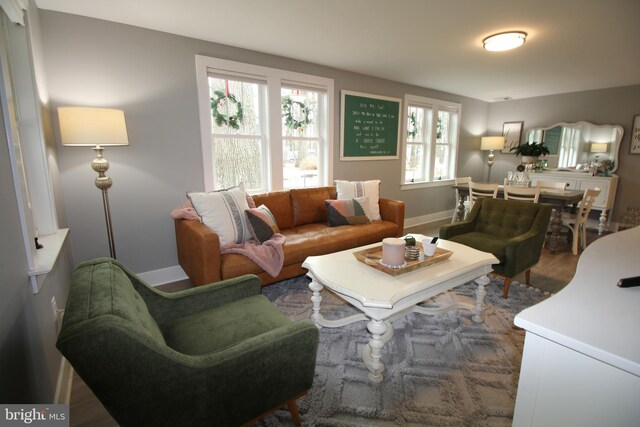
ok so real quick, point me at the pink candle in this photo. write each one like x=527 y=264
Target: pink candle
x=393 y=251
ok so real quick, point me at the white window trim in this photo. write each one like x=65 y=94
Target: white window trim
x=436 y=105
x=275 y=79
x=27 y=151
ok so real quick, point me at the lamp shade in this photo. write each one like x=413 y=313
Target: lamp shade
x=599 y=147
x=85 y=126
x=492 y=143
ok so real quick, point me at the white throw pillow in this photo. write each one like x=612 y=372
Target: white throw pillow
x=353 y=189
x=223 y=212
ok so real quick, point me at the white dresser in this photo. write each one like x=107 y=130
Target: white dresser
x=581 y=359
x=581 y=181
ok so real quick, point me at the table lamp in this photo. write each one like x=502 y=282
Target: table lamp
x=97 y=127
x=597 y=147
x=491 y=143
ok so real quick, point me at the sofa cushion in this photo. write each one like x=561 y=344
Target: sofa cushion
x=484 y=242
x=308 y=206
x=222 y=327
x=347 y=212
x=262 y=224
x=223 y=212
x=352 y=189
x=279 y=203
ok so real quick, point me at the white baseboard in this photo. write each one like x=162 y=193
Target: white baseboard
x=426 y=219
x=163 y=275
x=176 y=273
x=63 y=385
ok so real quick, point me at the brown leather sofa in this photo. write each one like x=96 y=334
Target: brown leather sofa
x=302 y=217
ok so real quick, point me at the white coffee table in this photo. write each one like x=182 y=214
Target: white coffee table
x=382 y=298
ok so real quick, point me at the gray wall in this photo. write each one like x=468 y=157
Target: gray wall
x=151 y=76
x=615 y=106
x=29 y=361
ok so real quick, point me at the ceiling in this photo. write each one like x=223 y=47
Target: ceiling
x=573 y=45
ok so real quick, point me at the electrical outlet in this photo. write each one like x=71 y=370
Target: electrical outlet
x=54 y=308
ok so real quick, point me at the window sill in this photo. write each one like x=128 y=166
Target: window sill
x=47 y=257
x=417 y=185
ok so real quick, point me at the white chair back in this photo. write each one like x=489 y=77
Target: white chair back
x=578 y=223
x=555 y=185
x=462 y=180
x=525 y=194
x=478 y=189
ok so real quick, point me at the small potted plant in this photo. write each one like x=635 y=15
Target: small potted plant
x=530 y=151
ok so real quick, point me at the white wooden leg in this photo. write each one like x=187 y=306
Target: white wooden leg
x=381 y=332
x=315 y=300
x=481 y=292
x=603 y=222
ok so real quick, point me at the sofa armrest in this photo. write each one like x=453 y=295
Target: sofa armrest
x=393 y=211
x=198 y=251
x=448 y=231
x=167 y=307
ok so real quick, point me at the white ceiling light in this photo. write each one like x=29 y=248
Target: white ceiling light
x=504 y=41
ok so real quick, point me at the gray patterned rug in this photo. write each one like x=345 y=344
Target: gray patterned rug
x=442 y=370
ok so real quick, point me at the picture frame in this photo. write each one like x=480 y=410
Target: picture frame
x=512 y=132
x=634 y=143
x=370 y=126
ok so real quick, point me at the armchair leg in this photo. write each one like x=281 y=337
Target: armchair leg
x=293 y=408
x=527 y=277
x=290 y=404
x=507 y=283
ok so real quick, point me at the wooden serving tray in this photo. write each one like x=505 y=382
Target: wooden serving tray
x=372 y=257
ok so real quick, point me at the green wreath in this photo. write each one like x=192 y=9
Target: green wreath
x=412 y=123
x=290 y=121
x=221 y=105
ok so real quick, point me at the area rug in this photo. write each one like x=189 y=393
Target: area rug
x=441 y=370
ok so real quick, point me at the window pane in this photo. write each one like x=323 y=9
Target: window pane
x=239 y=113
x=300 y=163
x=299 y=112
x=442 y=131
x=415 y=128
x=238 y=160
x=414 y=168
x=441 y=166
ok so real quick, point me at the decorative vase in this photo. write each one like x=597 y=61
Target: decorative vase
x=526 y=160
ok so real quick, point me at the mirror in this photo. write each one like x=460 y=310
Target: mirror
x=576 y=146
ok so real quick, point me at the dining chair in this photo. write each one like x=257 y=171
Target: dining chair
x=525 y=194
x=462 y=180
x=554 y=185
x=479 y=189
x=577 y=222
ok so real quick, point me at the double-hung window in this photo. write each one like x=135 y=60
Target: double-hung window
x=270 y=129
x=431 y=140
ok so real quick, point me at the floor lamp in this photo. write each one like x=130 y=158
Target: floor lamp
x=491 y=143
x=97 y=127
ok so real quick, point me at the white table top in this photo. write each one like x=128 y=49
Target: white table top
x=345 y=275
x=591 y=314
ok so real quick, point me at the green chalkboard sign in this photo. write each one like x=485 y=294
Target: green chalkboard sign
x=370 y=126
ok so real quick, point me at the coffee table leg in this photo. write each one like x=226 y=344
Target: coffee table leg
x=315 y=299
x=381 y=332
x=481 y=292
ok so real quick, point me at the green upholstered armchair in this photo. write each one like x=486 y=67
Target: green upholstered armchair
x=220 y=354
x=513 y=231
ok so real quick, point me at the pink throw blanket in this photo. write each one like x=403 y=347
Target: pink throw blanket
x=269 y=256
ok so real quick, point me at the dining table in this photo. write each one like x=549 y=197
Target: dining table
x=558 y=198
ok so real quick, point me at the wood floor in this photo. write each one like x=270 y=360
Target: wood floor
x=552 y=273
